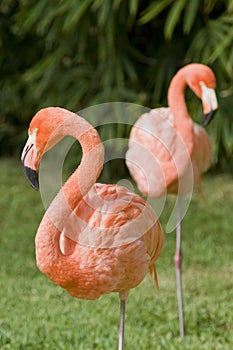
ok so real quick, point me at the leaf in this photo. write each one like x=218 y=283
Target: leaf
x=133 y=8
x=45 y=22
x=227 y=40
x=32 y=15
x=73 y=17
x=212 y=44
x=37 y=70
x=129 y=69
x=173 y=18
x=190 y=15
x=153 y=10
x=105 y=11
x=209 y=5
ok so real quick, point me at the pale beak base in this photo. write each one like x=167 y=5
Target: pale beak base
x=210 y=103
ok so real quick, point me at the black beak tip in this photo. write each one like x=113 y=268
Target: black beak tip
x=208 y=117
x=32 y=177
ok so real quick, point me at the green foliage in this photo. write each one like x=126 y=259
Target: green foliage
x=36 y=314
x=79 y=53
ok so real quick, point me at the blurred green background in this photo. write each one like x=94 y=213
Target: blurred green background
x=78 y=53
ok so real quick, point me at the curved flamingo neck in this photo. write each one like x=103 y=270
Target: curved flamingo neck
x=85 y=175
x=176 y=97
x=91 y=164
x=176 y=101
x=50 y=259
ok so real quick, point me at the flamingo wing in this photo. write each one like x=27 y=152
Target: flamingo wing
x=113 y=239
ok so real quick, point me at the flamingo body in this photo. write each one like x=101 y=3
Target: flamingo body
x=168 y=152
x=157 y=157
x=164 y=141
x=101 y=248
x=94 y=238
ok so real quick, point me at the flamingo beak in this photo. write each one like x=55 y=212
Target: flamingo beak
x=210 y=103
x=28 y=159
x=208 y=117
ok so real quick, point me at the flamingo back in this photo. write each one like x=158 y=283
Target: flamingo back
x=157 y=155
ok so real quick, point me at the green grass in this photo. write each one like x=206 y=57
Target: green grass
x=35 y=314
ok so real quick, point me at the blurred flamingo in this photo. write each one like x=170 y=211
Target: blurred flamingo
x=94 y=238
x=165 y=141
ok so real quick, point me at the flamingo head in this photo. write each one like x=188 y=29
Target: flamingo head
x=43 y=134
x=201 y=80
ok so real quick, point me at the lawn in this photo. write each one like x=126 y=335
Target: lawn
x=35 y=314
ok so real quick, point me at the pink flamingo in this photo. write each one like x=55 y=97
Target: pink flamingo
x=94 y=238
x=163 y=141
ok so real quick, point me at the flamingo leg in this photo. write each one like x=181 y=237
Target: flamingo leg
x=122 y=325
x=177 y=261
